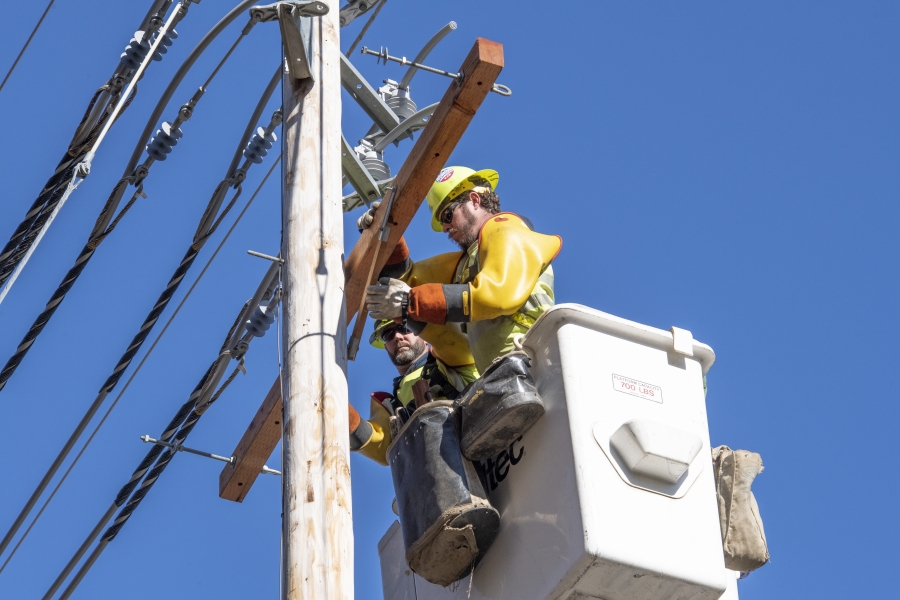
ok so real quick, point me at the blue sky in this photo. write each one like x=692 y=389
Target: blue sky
x=728 y=168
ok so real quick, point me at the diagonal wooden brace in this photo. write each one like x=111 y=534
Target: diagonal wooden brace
x=426 y=159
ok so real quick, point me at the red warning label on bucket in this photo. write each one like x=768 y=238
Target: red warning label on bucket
x=647 y=391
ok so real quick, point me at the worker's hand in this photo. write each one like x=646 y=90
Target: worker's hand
x=386 y=299
x=365 y=221
x=360 y=430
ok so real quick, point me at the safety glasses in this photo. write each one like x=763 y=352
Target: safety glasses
x=389 y=334
x=447 y=213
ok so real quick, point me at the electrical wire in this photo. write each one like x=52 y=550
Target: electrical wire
x=37 y=240
x=204 y=230
x=187 y=417
x=365 y=29
x=25 y=47
x=105 y=222
x=141 y=364
x=96 y=117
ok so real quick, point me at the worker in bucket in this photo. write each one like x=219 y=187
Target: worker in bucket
x=423 y=377
x=496 y=288
x=446 y=519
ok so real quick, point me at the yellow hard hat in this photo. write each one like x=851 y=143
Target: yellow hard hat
x=375 y=339
x=452 y=182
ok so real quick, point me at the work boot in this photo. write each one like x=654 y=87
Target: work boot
x=498 y=407
x=447 y=522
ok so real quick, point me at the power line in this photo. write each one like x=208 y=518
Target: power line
x=97 y=117
x=140 y=365
x=144 y=477
x=205 y=228
x=166 y=137
x=365 y=28
x=25 y=47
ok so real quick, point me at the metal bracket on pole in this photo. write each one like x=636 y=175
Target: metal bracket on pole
x=293 y=18
x=366 y=96
x=353 y=201
x=357 y=174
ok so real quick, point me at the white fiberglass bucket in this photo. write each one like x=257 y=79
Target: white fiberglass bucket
x=610 y=495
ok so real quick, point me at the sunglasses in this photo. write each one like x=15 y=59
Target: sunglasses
x=447 y=213
x=389 y=334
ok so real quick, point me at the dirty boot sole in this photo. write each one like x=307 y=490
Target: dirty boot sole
x=449 y=549
x=498 y=428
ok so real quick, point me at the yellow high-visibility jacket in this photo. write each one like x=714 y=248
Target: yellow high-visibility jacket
x=444 y=383
x=496 y=289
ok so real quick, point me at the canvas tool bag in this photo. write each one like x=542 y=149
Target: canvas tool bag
x=743 y=538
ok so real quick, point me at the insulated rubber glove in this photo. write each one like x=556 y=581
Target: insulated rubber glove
x=360 y=430
x=387 y=298
x=365 y=221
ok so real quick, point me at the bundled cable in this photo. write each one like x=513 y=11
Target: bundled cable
x=157 y=459
x=251 y=325
x=97 y=116
x=253 y=151
x=157 y=150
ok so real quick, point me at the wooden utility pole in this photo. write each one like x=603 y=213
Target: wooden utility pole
x=317 y=524
x=436 y=142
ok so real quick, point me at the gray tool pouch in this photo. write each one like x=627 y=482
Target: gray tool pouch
x=498 y=407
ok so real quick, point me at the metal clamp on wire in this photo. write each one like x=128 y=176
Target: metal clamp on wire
x=354 y=9
x=303 y=8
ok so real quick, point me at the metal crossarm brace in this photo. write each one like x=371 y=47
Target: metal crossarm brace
x=293 y=18
x=357 y=174
x=366 y=96
x=353 y=200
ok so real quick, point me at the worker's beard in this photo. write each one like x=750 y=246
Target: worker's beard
x=469 y=228
x=405 y=355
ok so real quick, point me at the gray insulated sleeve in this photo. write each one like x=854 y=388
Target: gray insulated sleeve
x=457 y=297
x=360 y=436
x=396 y=271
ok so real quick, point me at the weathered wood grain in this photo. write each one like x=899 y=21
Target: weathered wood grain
x=317 y=523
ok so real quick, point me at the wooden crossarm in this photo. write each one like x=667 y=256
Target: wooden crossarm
x=254 y=449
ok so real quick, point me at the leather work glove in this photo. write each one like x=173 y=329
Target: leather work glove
x=365 y=221
x=387 y=298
